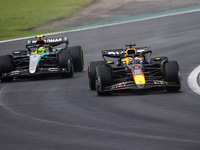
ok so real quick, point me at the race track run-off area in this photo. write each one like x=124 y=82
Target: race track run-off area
x=194 y=80
x=63 y=114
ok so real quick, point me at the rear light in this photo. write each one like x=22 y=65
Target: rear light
x=128 y=70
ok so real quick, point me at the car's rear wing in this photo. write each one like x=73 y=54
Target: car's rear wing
x=50 y=41
x=116 y=53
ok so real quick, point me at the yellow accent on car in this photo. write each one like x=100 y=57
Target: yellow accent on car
x=141 y=58
x=139 y=79
x=157 y=58
x=133 y=51
x=39 y=36
x=127 y=59
x=110 y=62
x=41 y=49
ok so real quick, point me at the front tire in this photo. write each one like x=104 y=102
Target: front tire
x=103 y=79
x=6 y=67
x=64 y=58
x=172 y=74
x=77 y=58
x=91 y=72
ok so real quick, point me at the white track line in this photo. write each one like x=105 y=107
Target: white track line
x=192 y=80
x=107 y=25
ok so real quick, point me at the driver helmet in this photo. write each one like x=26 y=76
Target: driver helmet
x=41 y=49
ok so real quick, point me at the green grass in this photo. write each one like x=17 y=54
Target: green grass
x=17 y=16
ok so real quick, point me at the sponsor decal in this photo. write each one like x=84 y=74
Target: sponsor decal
x=122 y=52
x=119 y=85
x=158 y=82
x=48 y=40
x=137 y=67
x=140 y=50
x=115 y=53
x=53 y=40
x=138 y=72
x=139 y=79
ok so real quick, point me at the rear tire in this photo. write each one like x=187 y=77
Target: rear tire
x=91 y=72
x=77 y=58
x=103 y=79
x=172 y=74
x=63 y=57
x=6 y=67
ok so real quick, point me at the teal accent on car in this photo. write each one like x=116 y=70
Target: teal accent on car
x=59 y=48
x=39 y=58
x=45 y=54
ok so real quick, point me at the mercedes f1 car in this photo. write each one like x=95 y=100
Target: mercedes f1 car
x=48 y=56
x=132 y=70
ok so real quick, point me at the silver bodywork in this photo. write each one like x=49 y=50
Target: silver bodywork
x=33 y=62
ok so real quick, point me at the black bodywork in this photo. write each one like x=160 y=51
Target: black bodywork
x=122 y=76
x=48 y=62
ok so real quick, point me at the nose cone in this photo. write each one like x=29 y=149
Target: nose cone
x=139 y=79
x=33 y=62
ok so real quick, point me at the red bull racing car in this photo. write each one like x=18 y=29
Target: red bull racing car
x=42 y=56
x=132 y=70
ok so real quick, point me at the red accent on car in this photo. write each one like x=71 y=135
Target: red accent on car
x=116 y=89
x=159 y=85
x=40 y=42
x=137 y=67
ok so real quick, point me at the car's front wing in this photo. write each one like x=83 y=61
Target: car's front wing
x=131 y=85
x=40 y=71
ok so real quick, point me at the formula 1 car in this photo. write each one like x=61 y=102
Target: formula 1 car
x=132 y=70
x=42 y=57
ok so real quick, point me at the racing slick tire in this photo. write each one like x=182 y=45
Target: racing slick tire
x=91 y=72
x=6 y=67
x=63 y=58
x=103 y=79
x=172 y=74
x=77 y=58
x=158 y=60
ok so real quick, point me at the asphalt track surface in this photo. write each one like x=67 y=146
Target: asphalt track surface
x=63 y=114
